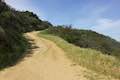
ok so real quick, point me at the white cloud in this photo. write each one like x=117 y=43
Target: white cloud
x=108 y=27
x=104 y=24
x=20 y=4
x=95 y=21
x=24 y=5
x=90 y=14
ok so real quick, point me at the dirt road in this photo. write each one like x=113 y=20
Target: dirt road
x=47 y=62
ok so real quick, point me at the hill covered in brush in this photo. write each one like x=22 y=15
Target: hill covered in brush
x=87 y=39
x=14 y=23
x=12 y=26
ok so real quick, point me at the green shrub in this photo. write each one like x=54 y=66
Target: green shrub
x=87 y=39
x=102 y=64
x=12 y=26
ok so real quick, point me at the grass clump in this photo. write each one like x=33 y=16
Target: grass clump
x=89 y=58
x=87 y=39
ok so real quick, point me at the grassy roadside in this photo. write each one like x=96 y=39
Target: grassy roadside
x=91 y=59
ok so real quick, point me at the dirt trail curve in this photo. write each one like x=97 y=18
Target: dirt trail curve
x=48 y=62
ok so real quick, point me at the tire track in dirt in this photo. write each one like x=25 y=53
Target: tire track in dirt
x=47 y=62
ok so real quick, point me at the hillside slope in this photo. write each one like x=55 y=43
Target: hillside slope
x=87 y=39
x=13 y=24
x=48 y=62
x=91 y=59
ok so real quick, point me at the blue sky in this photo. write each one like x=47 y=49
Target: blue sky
x=102 y=16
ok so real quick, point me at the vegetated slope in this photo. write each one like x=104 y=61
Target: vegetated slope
x=12 y=26
x=87 y=39
x=48 y=62
x=101 y=64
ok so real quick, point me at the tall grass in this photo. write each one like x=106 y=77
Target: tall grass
x=91 y=59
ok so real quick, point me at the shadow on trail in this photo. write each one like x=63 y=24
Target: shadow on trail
x=27 y=53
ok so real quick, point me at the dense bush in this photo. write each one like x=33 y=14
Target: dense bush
x=87 y=39
x=12 y=26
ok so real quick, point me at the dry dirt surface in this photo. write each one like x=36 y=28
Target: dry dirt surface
x=47 y=62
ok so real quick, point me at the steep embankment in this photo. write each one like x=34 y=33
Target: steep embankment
x=47 y=62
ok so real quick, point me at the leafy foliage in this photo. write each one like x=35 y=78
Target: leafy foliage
x=12 y=26
x=87 y=39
